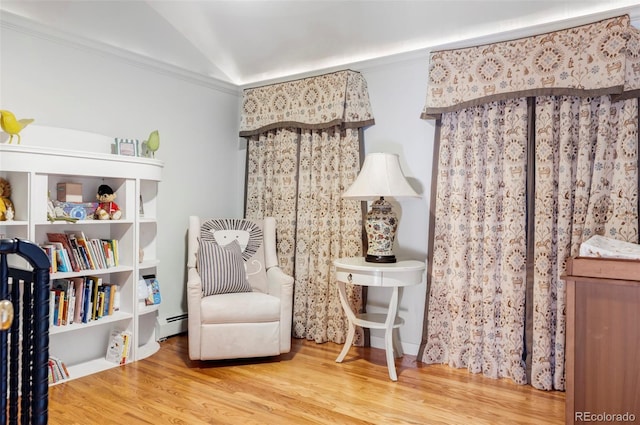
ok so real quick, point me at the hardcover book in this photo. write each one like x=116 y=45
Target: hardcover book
x=66 y=244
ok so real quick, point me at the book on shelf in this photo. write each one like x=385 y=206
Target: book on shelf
x=78 y=239
x=63 y=239
x=110 y=291
x=64 y=305
x=73 y=251
x=57 y=370
x=81 y=300
x=110 y=249
x=58 y=257
x=50 y=250
x=102 y=253
x=153 y=290
x=78 y=286
x=76 y=251
x=96 y=283
x=119 y=347
x=86 y=302
x=54 y=299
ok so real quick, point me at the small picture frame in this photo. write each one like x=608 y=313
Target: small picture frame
x=127 y=147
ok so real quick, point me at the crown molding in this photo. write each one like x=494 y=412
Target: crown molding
x=26 y=26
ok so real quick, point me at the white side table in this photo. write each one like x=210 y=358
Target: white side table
x=394 y=275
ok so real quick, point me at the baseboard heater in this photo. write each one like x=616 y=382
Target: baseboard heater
x=169 y=326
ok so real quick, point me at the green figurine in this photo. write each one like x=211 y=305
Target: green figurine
x=153 y=143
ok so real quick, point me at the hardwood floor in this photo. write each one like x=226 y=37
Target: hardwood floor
x=305 y=386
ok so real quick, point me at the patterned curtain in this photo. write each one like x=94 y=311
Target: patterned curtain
x=581 y=179
x=303 y=153
x=272 y=187
x=329 y=228
x=477 y=291
x=586 y=183
x=590 y=60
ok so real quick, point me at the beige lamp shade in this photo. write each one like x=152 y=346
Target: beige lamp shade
x=381 y=175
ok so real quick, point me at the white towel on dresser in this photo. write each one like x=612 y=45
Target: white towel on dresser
x=600 y=246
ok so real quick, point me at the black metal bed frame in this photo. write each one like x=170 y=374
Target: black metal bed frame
x=24 y=347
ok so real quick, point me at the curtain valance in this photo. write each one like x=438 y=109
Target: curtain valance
x=590 y=60
x=339 y=98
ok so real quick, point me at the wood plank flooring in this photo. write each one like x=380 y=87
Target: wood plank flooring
x=305 y=386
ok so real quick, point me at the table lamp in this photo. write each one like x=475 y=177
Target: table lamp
x=381 y=176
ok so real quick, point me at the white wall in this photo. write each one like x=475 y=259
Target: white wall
x=397 y=91
x=62 y=84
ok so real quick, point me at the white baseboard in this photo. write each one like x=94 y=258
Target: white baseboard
x=407 y=348
x=169 y=326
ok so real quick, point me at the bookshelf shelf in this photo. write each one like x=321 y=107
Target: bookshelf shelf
x=88 y=368
x=14 y=223
x=146 y=309
x=67 y=275
x=34 y=173
x=148 y=264
x=104 y=321
x=148 y=350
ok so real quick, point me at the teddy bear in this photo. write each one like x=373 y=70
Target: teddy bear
x=107 y=208
x=7 y=210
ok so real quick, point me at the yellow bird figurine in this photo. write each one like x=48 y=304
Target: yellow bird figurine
x=153 y=143
x=11 y=125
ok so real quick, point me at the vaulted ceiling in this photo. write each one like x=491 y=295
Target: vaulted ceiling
x=247 y=42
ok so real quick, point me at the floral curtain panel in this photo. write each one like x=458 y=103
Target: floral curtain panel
x=477 y=291
x=587 y=156
x=303 y=152
x=590 y=60
x=336 y=99
x=582 y=179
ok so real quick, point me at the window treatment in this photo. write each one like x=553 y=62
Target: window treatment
x=477 y=298
x=303 y=152
x=590 y=60
x=586 y=156
x=581 y=139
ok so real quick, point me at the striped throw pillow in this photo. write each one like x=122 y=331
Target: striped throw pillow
x=222 y=268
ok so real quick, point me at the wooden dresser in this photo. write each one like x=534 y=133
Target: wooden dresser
x=603 y=340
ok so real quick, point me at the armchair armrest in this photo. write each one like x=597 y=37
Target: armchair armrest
x=281 y=286
x=279 y=281
x=194 y=294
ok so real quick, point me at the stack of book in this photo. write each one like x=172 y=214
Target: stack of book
x=81 y=300
x=72 y=251
x=57 y=370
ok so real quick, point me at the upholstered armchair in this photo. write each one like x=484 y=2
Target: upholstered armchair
x=239 y=300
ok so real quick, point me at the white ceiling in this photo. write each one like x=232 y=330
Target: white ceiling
x=247 y=42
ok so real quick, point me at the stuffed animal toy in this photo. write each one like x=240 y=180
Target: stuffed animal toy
x=7 y=210
x=107 y=209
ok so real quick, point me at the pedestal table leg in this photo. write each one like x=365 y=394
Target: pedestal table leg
x=389 y=339
x=351 y=318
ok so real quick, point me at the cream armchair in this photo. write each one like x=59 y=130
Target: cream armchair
x=229 y=320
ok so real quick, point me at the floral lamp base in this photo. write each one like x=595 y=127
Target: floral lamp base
x=381 y=226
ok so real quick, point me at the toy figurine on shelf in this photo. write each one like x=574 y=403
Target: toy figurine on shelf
x=8 y=214
x=6 y=206
x=107 y=209
x=11 y=125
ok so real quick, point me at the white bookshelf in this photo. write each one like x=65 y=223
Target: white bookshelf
x=34 y=172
